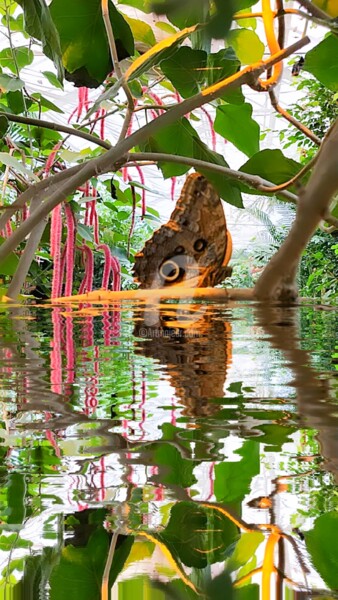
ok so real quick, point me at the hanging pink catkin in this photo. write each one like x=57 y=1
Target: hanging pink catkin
x=55 y=249
x=116 y=268
x=51 y=158
x=102 y=123
x=211 y=124
x=107 y=265
x=70 y=249
x=173 y=185
x=143 y=196
x=87 y=282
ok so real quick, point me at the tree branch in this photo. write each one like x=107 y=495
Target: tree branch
x=314 y=10
x=278 y=278
x=56 y=127
x=305 y=130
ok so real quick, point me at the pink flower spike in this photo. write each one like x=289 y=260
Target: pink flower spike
x=116 y=268
x=143 y=197
x=51 y=158
x=173 y=185
x=107 y=265
x=87 y=282
x=70 y=249
x=211 y=124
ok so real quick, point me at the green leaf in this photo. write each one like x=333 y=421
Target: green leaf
x=4 y=124
x=18 y=57
x=321 y=542
x=198 y=536
x=322 y=62
x=16 y=102
x=272 y=165
x=10 y=161
x=236 y=125
x=246 y=44
x=141 y=31
x=39 y=24
x=220 y=22
x=46 y=103
x=244 y=550
x=221 y=587
x=9 y=83
x=161 y=51
x=85 y=232
x=186 y=70
x=180 y=138
x=227 y=189
x=16 y=496
x=233 y=479
x=80 y=569
x=15 y=24
x=144 y=5
x=53 y=80
x=220 y=66
x=83 y=38
x=182 y=13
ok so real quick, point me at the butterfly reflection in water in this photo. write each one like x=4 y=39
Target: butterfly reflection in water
x=193 y=249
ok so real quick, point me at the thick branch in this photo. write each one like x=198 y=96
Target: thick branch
x=27 y=257
x=56 y=127
x=314 y=10
x=277 y=279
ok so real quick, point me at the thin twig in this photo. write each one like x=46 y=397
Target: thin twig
x=117 y=68
x=56 y=127
x=314 y=10
x=105 y=578
x=305 y=130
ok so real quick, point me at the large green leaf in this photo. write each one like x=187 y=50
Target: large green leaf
x=39 y=24
x=9 y=83
x=246 y=44
x=236 y=125
x=80 y=569
x=186 y=70
x=198 y=536
x=180 y=138
x=232 y=479
x=322 y=62
x=321 y=542
x=272 y=165
x=220 y=66
x=220 y=22
x=84 y=43
x=227 y=188
x=18 y=57
x=245 y=549
x=141 y=31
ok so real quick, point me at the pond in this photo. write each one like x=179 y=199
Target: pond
x=168 y=451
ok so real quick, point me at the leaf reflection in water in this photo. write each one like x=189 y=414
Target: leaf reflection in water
x=133 y=452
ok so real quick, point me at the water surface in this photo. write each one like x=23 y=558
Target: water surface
x=168 y=451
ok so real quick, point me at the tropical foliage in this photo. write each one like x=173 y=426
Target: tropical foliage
x=160 y=89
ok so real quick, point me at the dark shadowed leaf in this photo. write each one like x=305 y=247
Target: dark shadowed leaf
x=272 y=165
x=220 y=22
x=3 y=125
x=39 y=24
x=321 y=542
x=83 y=38
x=186 y=70
x=220 y=66
x=322 y=62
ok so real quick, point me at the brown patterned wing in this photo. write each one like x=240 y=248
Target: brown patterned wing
x=192 y=246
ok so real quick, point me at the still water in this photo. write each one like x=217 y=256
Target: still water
x=168 y=451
